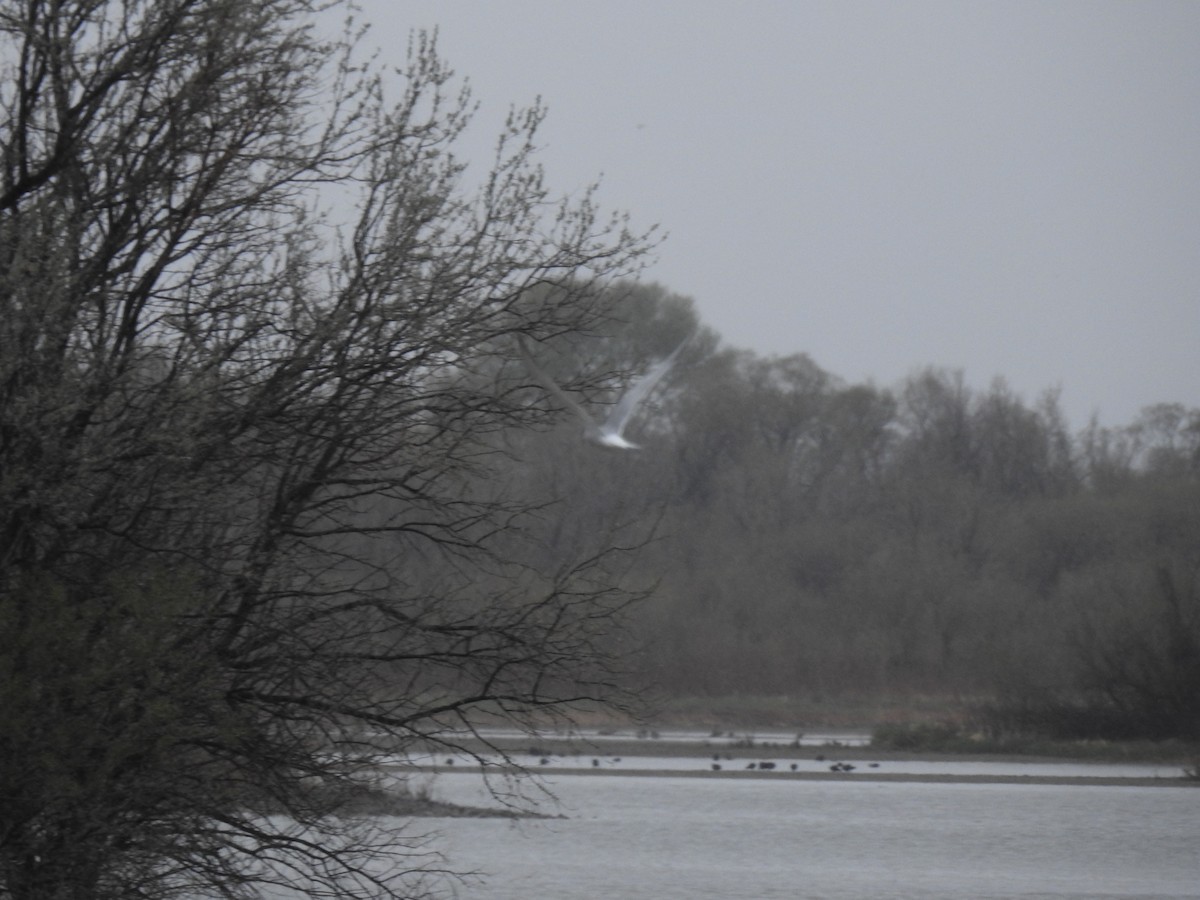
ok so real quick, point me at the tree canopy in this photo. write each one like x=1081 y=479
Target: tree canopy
x=256 y=376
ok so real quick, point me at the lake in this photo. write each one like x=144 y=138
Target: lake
x=664 y=837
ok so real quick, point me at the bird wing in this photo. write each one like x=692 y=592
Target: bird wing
x=620 y=415
x=548 y=383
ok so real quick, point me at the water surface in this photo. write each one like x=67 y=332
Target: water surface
x=668 y=837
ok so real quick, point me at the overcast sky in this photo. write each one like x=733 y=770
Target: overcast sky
x=1009 y=189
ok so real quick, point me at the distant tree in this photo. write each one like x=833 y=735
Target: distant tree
x=1126 y=664
x=745 y=418
x=1139 y=671
x=852 y=448
x=1023 y=451
x=1167 y=438
x=936 y=414
x=251 y=531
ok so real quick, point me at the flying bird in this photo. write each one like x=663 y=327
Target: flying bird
x=610 y=432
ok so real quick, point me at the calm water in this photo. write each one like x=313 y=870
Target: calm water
x=665 y=837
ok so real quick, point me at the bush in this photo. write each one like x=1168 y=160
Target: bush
x=937 y=736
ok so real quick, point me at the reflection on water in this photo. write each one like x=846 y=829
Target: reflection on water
x=664 y=837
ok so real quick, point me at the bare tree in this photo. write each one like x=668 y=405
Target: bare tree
x=250 y=533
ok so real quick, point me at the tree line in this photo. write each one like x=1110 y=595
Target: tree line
x=816 y=537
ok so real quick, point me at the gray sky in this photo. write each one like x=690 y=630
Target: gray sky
x=1008 y=189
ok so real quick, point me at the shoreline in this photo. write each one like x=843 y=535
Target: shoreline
x=570 y=756
x=735 y=749
x=785 y=775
